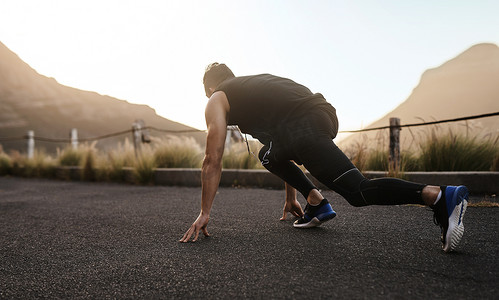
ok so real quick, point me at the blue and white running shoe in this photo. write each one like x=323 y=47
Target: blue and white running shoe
x=315 y=215
x=449 y=212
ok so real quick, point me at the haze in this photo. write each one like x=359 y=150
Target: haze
x=364 y=56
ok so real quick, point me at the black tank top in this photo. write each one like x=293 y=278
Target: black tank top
x=261 y=105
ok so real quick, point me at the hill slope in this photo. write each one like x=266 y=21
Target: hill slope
x=463 y=86
x=30 y=101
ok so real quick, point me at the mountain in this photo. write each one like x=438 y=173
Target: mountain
x=463 y=86
x=30 y=101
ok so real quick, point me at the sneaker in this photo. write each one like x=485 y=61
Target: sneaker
x=315 y=215
x=448 y=213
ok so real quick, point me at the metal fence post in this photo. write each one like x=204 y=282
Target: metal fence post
x=74 y=138
x=31 y=144
x=137 y=137
x=394 y=159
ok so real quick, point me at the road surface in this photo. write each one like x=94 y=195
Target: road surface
x=97 y=240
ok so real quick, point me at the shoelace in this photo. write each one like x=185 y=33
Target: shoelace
x=306 y=216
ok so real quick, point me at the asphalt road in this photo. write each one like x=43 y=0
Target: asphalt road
x=92 y=240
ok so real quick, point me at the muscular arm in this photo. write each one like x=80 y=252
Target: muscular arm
x=211 y=171
x=216 y=122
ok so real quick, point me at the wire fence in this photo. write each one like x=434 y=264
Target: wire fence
x=427 y=123
x=132 y=130
x=96 y=138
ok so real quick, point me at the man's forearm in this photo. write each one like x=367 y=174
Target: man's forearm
x=210 y=179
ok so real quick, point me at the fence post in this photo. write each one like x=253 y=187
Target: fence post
x=74 y=138
x=394 y=159
x=31 y=144
x=137 y=137
x=144 y=132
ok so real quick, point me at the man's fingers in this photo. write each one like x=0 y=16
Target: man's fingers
x=196 y=236
x=183 y=237
x=284 y=213
x=186 y=236
x=205 y=232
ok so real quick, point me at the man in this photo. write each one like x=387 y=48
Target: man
x=295 y=125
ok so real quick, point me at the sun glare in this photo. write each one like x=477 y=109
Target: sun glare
x=154 y=52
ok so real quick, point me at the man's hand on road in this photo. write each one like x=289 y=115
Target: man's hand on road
x=292 y=207
x=200 y=224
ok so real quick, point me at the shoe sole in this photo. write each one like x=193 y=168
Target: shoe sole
x=456 y=227
x=314 y=222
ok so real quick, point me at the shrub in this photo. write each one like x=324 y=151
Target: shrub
x=378 y=160
x=144 y=167
x=40 y=166
x=89 y=165
x=410 y=162
x=444 y=152
x=70 y=156
x=453 y=152
x=5 y=164
x=236 y=156
x=177 y=152
x=358 y=154
x=110 y=167
x=18 y=161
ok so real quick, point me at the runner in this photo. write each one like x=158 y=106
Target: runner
x=297 y=126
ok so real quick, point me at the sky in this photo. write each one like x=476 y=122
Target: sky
x=364 y=56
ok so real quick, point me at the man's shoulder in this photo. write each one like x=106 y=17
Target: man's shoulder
x=218 y=99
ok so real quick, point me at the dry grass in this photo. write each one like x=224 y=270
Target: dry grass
x=145 y=165
x=437 y=151
x=5 y=163
x=41 y=165
x=456 y=152
x=236 y=156
x=177 y=152
x=111 y=164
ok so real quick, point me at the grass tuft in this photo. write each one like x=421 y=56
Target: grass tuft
x=5 y=164
x=145 y=166
x=70 y=157
x=40 y=166
x=453 y=152
x=110 y=166
x=177 y=152
x=436 y=152
x=89 y=172
x=236 y=156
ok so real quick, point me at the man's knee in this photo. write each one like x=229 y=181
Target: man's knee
x=350 y=185
x=350 y=180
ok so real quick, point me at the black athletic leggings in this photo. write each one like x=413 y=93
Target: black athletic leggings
x=309 y=141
